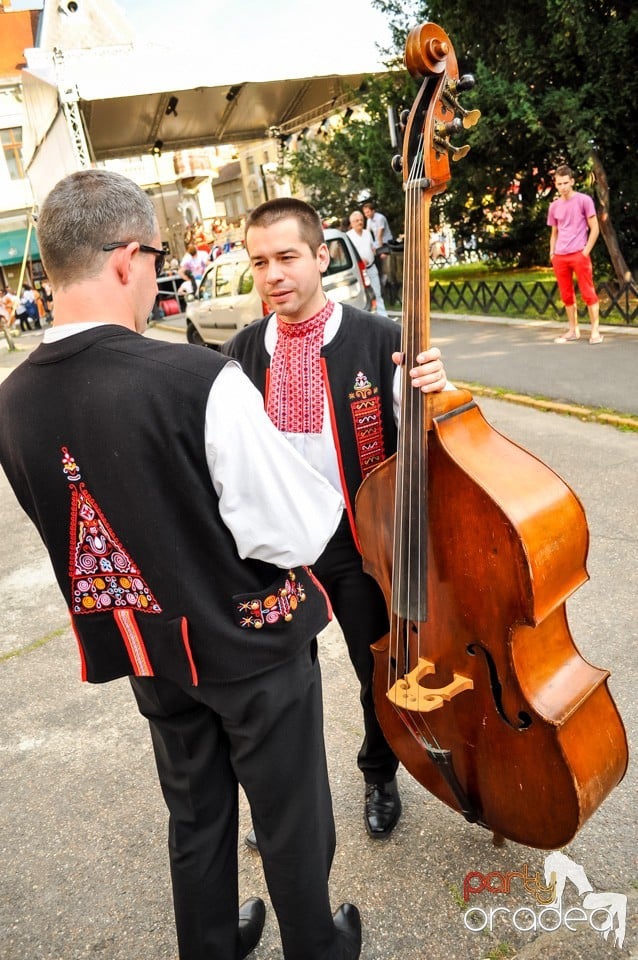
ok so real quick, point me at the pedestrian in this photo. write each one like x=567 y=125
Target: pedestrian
x=377 y=224
x=572 y=217
x=363 y=244
x=193 y=264
x=22 y=315
x=46 y=296
x=11 y=304
x=331 y=384
x=179 y=532
x=28 y=301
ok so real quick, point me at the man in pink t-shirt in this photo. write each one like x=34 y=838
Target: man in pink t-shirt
x=575 y=230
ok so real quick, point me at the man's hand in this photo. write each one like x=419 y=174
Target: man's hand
x=428 y=374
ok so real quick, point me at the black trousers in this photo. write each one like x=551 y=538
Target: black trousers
x=265 y=733
x=360 y=609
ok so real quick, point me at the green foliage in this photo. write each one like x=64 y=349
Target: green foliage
x=555 y=79
x=355 y=162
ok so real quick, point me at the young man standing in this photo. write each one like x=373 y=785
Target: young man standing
x=572 y=217
x=330 y=379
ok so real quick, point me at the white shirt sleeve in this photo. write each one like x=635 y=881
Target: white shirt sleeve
x=276 y=506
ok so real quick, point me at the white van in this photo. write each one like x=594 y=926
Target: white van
x=227 y=300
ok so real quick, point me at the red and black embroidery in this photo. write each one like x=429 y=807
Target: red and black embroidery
x=365 y=404
x=103 y=575
x=274 y=608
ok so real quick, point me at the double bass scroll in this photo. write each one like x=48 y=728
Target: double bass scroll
x=477 y=545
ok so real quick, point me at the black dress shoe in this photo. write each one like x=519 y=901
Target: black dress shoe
x=382 y=809
x=251 y=841
x=252 y=916
x=348 y=923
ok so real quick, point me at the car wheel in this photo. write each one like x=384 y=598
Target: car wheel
x=193 y=335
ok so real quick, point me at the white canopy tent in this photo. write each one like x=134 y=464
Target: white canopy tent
x=90 y=104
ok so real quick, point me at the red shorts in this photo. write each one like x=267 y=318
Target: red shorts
x=565 y=266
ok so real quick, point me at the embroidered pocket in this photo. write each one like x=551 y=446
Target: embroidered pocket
x=274 y=607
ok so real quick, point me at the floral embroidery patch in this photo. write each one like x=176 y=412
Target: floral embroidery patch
x=274 y=609
x=365 y=404
x=103 y=575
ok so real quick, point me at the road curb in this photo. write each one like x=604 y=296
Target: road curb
x=610 y=418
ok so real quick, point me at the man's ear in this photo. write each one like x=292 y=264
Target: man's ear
x=124 y=262
x=323 y=257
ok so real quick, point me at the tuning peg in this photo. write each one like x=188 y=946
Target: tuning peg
x=457 y=153
x=448 y=129
x=466 y=82
x=404 y=116
x=469 y=117
x=397 y=163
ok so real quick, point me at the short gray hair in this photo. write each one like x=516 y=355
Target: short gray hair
x=83 y=212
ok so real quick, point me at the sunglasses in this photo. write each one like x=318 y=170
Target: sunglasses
x=159 y=255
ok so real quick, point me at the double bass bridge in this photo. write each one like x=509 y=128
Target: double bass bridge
x=409 y=694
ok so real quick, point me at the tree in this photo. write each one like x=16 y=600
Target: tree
x=354 y=161
x=555 y=84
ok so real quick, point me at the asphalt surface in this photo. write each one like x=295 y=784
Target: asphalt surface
x=82 y=823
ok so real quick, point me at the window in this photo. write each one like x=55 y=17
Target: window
x=11 y=140
x=223 y=280
x=339 y=257
x=206 y=286
x=245 y=282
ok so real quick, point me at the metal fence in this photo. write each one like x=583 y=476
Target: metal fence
x=538 y=299
x=618 y=304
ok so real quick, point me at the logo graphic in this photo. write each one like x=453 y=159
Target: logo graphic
x=605 y=912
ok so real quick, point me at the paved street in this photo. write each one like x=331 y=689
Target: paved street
x=82 y=823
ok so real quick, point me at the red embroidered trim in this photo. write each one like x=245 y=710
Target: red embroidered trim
x=295 y=397
x=365 y=404
x=103 y=575
x=187 y=647
x=258 y=613
x=318 y=584
x=125 y=620
x=81 y=649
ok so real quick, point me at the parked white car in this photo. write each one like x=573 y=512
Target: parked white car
x=227 y=300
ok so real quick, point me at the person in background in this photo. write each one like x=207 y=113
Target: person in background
x=379 y=227
x=11 y=303
x=331 y=379
x=180 y=534
x=363 y=244
x=29 y=303
x=574 y=231
x=46 y=296
x=193 y=264
x=377 y=224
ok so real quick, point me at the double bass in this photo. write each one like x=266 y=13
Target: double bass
x=477 y=545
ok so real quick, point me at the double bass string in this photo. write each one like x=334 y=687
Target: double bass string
x=410 y=528
x=409 y=584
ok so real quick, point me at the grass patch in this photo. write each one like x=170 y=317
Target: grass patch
x=33 y=646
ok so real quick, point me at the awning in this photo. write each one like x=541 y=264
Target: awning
x=13 y=243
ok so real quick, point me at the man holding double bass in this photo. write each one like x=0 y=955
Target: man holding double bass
x=331 y=377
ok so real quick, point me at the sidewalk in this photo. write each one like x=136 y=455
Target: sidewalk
x=511 y=359
x=82 y=821
x=518 y=360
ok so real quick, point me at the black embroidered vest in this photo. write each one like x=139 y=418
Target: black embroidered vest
x=359 y=379
x=104 y=449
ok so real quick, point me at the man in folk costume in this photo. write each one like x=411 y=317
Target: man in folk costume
x=330 y=375
x=136 y=461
